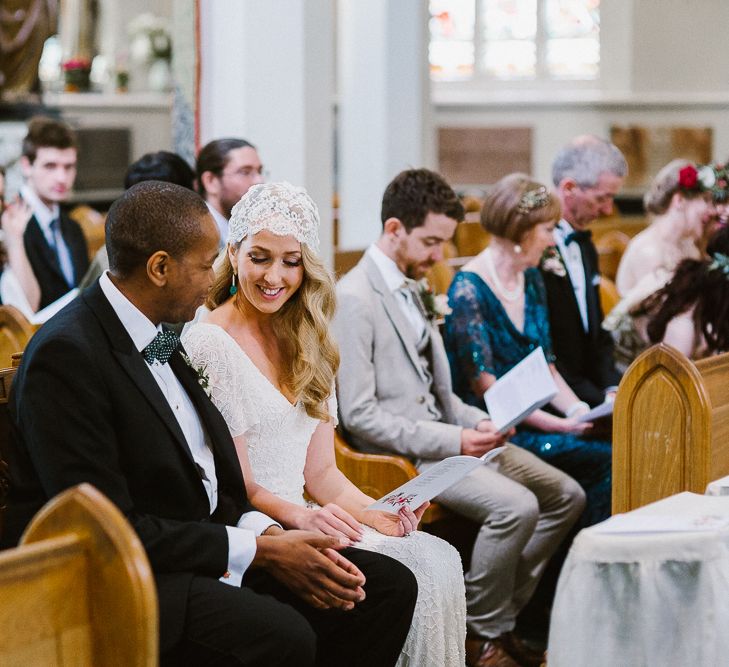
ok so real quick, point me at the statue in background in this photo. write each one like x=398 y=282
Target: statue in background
x=24 y=27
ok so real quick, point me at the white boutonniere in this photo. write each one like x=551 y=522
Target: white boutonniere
x=551 y=262
x=203 y=378
x=436 y=305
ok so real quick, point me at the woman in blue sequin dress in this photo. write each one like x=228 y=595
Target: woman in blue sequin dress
x=500 y=315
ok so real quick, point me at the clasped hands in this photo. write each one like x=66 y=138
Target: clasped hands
x=308 y=561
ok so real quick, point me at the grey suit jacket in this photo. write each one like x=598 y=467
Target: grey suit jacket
x=381 y=386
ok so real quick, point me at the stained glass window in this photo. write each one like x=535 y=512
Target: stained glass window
x=514 y=39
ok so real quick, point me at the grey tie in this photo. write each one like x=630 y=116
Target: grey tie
x=62 y=252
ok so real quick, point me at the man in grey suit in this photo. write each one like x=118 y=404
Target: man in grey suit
x=395 y=396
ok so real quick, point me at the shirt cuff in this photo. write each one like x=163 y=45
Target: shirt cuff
x=242 y=545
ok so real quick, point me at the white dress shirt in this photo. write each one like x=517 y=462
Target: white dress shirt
x=221 y=221
x=572 y=255
x=395 y=281
x=242 y=538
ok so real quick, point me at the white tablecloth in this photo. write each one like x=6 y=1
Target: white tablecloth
x=648 y=599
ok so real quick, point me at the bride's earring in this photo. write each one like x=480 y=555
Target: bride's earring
x=517 y=249
x=233 y=287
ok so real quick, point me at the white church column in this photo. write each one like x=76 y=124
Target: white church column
x=267 y=76
x=384 y=102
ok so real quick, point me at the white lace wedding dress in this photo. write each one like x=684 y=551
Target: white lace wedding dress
x=277 y=434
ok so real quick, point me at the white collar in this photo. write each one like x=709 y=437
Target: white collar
x=44 y=215
x=394 y=278
x=221 y=221
x=564 y=228
x=137 y=324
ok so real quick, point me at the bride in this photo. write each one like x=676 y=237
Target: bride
x=267 y=358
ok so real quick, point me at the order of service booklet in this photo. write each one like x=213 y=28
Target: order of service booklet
x=433 y=481
x=516 y=394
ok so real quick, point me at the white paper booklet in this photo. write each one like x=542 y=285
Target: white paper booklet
x=433 y=481
x=516 y=394
x=602 y=410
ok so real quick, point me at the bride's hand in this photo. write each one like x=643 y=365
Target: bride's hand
x=332 y=520
x=396 y=525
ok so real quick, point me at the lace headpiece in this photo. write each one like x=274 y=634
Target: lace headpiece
x=281 y=208
x=532 y=199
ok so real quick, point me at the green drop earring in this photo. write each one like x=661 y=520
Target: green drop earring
x=233 y=288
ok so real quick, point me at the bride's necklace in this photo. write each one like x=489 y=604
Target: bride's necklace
x=510 y=295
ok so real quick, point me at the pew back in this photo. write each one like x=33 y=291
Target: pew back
x=670 y=427
x=79 y=589
x=15 y=332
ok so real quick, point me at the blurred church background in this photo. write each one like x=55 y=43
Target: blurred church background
x=340 y=95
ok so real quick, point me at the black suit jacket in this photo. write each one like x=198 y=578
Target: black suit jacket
x=85 y=407
x=44 y=261
x=585 y=360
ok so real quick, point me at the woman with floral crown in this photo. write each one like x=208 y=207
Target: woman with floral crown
x=270 y=363
x=500 y=316
x=683 y=217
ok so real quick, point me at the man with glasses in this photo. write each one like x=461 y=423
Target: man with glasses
x=587 y=174
x=226 y=168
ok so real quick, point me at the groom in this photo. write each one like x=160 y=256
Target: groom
x=105 y=395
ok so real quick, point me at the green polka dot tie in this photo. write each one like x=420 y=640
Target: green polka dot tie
x=161 y=347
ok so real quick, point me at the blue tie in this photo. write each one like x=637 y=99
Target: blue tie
x=62 y=253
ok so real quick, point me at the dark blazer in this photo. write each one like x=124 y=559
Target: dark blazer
x=85 y=407
x=585 y=360
x=45 y=263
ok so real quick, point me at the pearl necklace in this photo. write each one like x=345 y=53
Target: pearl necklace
x=509 y=295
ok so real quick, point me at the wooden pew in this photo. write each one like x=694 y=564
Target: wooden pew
x=15 y=332
x=78 y=590
x=670 y=427
x=6 y=380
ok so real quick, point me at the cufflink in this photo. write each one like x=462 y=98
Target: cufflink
x=226 y=575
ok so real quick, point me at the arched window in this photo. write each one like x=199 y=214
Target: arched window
x=515 y=40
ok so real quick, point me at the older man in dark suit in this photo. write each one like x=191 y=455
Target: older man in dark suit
x=105 y=395
x=587 y=173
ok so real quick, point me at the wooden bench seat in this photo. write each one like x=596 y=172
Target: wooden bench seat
x=670 y=427
x=78 y=590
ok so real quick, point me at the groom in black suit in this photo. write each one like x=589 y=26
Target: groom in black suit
x=105 y=395
x=587 y=174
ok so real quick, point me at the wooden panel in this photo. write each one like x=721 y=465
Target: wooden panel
x=15 y=332
x=665 y=428
x=482 y=155
x=648 y=149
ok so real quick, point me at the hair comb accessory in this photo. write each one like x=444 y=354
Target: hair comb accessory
x=532 y=199
x=720 y=262
x=280 y=208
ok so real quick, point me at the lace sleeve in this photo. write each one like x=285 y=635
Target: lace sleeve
x=212 y=350
x=467 y=336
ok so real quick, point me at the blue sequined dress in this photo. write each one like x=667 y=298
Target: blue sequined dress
x=480 y=337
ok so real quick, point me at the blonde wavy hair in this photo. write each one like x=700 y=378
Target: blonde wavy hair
x=310 y=355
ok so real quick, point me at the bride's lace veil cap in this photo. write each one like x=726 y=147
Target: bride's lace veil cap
x=280 y=208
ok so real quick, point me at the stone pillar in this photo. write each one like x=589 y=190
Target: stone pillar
x=267 y=75
x=384 y=107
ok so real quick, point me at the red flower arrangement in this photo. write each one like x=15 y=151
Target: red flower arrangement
x=76 y=75
x=688 y=177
